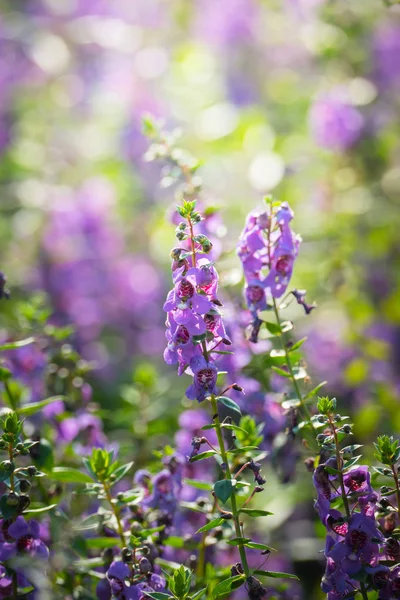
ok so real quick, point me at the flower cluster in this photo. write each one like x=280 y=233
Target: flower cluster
x=267 y=249
x=361 y=554
x=194 y=322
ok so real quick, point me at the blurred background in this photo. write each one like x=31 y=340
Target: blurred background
x=298 y=98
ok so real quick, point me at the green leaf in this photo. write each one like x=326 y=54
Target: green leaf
x=146 y=532
x=202 y=456
x=196 y=483
x=351 y=462
x=351 y=449
x=223 y=489
x=174 y=541
x=214 y=523
x=6 y=468
x=297 y=344
x=119 y=473
x=42 y=509
x=6 y=510
x=255 y=512
x=281 y=372
x=18 y=344
x=34 y=407
x=273 y=328
x=198 y=595
x=69 y=475
x=314 y=391
x=381 y=471
x=244 y=449
x=229 y=404
x=257 y=546
x=238 y=541
x=101 y=542
x=92 y=521
x=226 y=586
x=275 y=574
x=233 y=427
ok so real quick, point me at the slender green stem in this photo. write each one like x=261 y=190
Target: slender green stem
x=201 y=559
x=339 y=461
x=228 y=475
x=10 y=455
x=116 y=513
x=290 y=366
x=396 y=482
x=192 y=244
x=363 y=591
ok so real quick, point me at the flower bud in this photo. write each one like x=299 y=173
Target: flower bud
x=11 y=499
x=144 y=565
x=126 y=555
x=24 y=485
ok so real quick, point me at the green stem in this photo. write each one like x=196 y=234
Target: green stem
x=363 y=591
x=192 y=244
x=339 y=462
x=290 y=366
x=10 y=455
x=116 y=514
x=201 y=559
x=396 y=481
x=228 y=475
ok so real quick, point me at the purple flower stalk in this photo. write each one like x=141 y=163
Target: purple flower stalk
x=194 y=323
x=267 y=249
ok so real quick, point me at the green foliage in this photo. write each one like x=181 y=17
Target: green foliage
x=228 y=585
x=326 y=406
x=387 y=450
x=224 y=489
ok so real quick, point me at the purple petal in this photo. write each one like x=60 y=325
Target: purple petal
x=19 y=528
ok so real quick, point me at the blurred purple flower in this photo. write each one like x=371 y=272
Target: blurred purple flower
x=335 y=124
x=386 y=51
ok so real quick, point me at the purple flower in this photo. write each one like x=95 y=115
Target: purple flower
x=21 y=537
x=359 y=546
x=180 y=346
x=336 y=124
x=204 y=379
x=335 y=582
x=5 y=583
x=325 y=492
x=386 y=49
x=194 y=324
x=267 y=249
x=388 y=583
x=165 y=489
x=358 y=481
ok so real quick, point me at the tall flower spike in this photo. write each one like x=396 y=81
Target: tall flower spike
x=194 y=324
x=267 y=249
